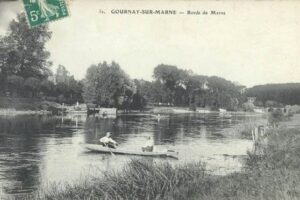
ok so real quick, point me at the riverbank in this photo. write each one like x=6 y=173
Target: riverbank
x=13 y=112
x=271 y=174
x=22 y=106
x=178 y=110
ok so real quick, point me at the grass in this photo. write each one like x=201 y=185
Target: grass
x=271 y=175
x=140 y=179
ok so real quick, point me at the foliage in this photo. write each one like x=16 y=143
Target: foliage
x=276 y=171
x=275 y=116
x=168 y=75
x=67 y=89
x=47 y=87
x=15 y=83
x=32 y=85
x=62 y=75
x=20 y=103
x=270 y=103
x=248 y=107
x=107 y=85
x=15 y=80
x=288 y=93
x=142 y=95
x=138 y=101
x=23 y=58
x=140 y=179
x=24 y=50
x=184 y=88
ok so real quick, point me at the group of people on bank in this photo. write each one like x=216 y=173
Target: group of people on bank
x=107 y=141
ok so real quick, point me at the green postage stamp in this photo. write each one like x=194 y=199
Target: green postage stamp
x=43 y=11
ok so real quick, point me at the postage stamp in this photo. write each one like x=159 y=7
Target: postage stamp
x=42 y=11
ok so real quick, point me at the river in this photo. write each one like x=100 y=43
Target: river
x=37 y=149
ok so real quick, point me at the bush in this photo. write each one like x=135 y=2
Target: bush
x=275 y=117
x=140 y=179
x=248 y=107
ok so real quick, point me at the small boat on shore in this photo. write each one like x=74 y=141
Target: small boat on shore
x=100 y=149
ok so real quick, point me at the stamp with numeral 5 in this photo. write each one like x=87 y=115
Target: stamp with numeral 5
x=43 y=11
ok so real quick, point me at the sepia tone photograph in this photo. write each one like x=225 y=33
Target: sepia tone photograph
x=149 y=100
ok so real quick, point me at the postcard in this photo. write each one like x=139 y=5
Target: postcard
x=149 y=99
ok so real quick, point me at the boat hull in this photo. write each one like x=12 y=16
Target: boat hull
x=101 y=149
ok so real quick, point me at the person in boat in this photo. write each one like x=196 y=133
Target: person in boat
x=148 y=146
x=104 y=114
x=107 y=141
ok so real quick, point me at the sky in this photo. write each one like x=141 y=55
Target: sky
x=256 y=42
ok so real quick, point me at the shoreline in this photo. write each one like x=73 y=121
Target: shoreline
x=14 y=112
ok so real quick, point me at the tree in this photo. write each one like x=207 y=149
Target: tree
x=4 y=49
x=185 y=88
x=15 y=84
x=89 y=85
x=275 y=117
x=286 y=93
x=47 y=87
x=32 y=85
x=223 y=93
x=3 y=53
x=62 y=75
x=248 y=107
x=75 y=89
x=138 y=101
x=195 y=92
x=169 y=77
x=25 y=54
x=106 y=85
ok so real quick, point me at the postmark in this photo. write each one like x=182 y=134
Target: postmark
x=43 y=11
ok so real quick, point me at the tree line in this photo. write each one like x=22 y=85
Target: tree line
x=108 y=85
x=25 y=69
x=271 y=95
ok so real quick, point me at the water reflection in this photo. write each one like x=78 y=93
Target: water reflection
x=37 y=149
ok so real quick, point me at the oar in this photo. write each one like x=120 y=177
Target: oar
x=111 y=152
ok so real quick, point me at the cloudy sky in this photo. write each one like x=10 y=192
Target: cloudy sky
x=254 y=43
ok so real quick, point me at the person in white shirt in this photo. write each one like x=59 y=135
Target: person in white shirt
x=148 y=146
x=107 y=141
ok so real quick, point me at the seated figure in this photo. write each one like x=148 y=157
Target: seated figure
x=148 y=146
x=107 y=141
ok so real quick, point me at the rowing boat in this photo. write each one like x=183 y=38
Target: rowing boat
x=101 y=149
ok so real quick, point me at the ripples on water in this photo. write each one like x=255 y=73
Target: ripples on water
x=36 y=150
